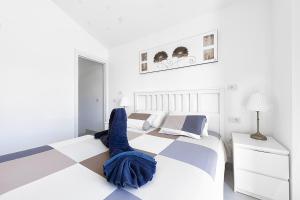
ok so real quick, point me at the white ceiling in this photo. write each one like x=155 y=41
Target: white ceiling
x=114 y=22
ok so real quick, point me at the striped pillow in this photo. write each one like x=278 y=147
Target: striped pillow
x=186 y=125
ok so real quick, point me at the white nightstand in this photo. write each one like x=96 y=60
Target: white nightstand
x=261 y=168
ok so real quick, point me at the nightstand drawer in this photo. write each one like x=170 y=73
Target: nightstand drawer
x=260 y=186
x=263 y=163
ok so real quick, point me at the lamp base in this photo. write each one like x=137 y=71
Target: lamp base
x=258 y=136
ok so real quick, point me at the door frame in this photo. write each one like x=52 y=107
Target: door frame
x=88 y=56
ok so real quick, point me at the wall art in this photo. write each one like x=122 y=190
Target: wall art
x=196 y=50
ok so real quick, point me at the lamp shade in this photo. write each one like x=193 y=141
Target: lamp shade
x=258 y=102
x=124 y=102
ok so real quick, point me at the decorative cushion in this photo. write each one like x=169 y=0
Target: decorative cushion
x=187 y=125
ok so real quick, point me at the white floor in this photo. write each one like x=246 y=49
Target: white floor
x=229 y=194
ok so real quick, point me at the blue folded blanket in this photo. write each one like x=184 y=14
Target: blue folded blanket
x=126 y=166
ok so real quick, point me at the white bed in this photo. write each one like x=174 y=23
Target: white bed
x=186 y=168
x=208 y=102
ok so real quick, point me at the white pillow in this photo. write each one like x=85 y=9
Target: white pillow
x=151 y=119
x=138 y=124
x=205 y=129
x=156 y=119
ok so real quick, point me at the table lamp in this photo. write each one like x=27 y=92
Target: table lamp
x=124 y=102
x=258 y=102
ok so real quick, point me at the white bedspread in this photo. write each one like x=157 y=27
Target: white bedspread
x=187 y=169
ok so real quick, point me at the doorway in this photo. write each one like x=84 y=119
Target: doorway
x=90 y=112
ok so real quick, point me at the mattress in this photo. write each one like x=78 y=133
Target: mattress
x=72 y=169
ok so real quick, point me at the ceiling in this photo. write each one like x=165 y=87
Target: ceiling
x=114 y=22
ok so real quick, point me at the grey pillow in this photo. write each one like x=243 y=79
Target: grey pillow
x=146 y=126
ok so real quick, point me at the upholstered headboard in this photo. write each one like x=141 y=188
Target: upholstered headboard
x=208 y=102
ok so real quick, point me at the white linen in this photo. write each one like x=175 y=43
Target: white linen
x=179 y=132
x=140 y=131
x=176 y=177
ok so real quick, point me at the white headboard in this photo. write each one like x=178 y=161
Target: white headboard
x=208 y=102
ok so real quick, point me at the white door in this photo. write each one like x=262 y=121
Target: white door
x=90 y=96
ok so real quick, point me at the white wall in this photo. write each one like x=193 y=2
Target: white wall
x=37 y=42
x=286 y=84
x=244 y=59
x=296 y=99
x=281 y=70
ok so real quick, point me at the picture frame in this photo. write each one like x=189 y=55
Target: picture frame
x=191 y=51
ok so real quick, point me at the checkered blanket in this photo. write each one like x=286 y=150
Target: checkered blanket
x=72 y=169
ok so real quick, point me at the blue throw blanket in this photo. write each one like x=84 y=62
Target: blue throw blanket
x=126 y=167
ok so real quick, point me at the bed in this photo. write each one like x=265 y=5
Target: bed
x=186 y=168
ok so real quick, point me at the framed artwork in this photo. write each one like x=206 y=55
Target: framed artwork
x=196 y=50
x=144 y=67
